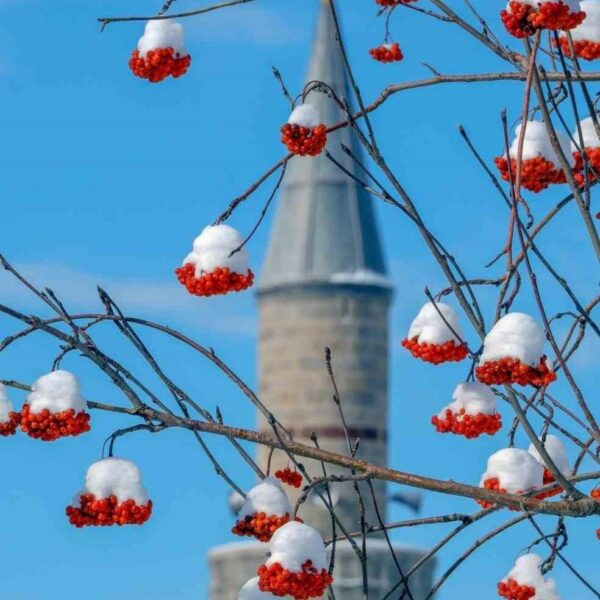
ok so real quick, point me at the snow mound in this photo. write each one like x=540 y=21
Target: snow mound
x=115 y=477
x=589 y=30
x=572 y=4
x=527 y=572
x=517 y=471
x=305 y=115
x=251 y=591
x=162 y=33
x=515 y=335
x=5 y=405
x=295 y=543
x=429 y=327
x=211 y=250
x=537 y=143
x=556 y=449
x=267 y=497
x=588 y=132
x=57 y=392
x=474 y=397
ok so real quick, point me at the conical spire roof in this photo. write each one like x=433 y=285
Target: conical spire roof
x=324 y=230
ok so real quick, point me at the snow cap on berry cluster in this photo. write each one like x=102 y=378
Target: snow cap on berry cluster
x=57 y=391
x=556 y=449
x=115 y=477
x=516 y=335
x=516 y=470
x=572 y=4
x=267 y=497
x=162 y=33
x=429 y=327
x=251 y=591
x=476 y=398
x=295 y=543
x=305 y=115
x=537 y=143
x=589 y=30
x=211 y=250
x=527 y=572
x=588 y=133
x=5 y=406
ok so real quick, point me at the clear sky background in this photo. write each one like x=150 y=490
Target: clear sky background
x=105 y=178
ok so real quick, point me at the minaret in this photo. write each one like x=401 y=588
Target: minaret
x=324 y=284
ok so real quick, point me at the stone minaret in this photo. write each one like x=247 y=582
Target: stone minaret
x=324 y=283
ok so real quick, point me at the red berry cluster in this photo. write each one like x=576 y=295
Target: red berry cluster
x=593 y=157
x=595 y=494
x=304 y=141
x=220 y=281
x=493 y=483
x=159 y=64
x=393 y=2
x=522 y=20
x=260 y=525
x=536 y=173
x=309 y=583
x=436 y=353
x=471 y=426
x=549 y=478
x=290 y=477
x=511 y=590
x=387 y=53
x=585 y=49
x=10 y=427
x=47 y=426
x=510 y=370
x=108 y=511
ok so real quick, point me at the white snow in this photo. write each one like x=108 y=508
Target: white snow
x=537 y=143
x=211 y=250
x=429 y=326
x=295 y=543
x=236 y=501
x=115 y=476
x=268 y=497
x=589 y=30
x=57 y=391
x=305 y=115
x=516 y=470
x=162 y=33
x=5 y=405
x=527 y=571
x=588 y=132
x=476 y=398
x=251 y=591
x=515 y=335
x=572 y=4
x=556 y=449
x=361 y=277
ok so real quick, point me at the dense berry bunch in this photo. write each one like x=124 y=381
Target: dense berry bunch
x=511 y=590
x=493 y=483
x=47 y=426
x=309 y=583
x=548 y=479
x=293 y=478
x=536 y=173
x=220 y=281
x=522 y=20
x=107 y=511
x=471 y=426
x=436 y=353
x=158 y=64
x=304 y=141
x=510 y=370
x=260 y=525
x=593 y=157
x=387 y=53
x=10 y=426
x=585 y=49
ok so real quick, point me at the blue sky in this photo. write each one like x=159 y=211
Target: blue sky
x=106 y=179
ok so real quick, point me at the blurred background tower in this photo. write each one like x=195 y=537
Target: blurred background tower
x=324 y=284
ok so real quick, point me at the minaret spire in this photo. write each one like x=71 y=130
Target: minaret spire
x=325 y=229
